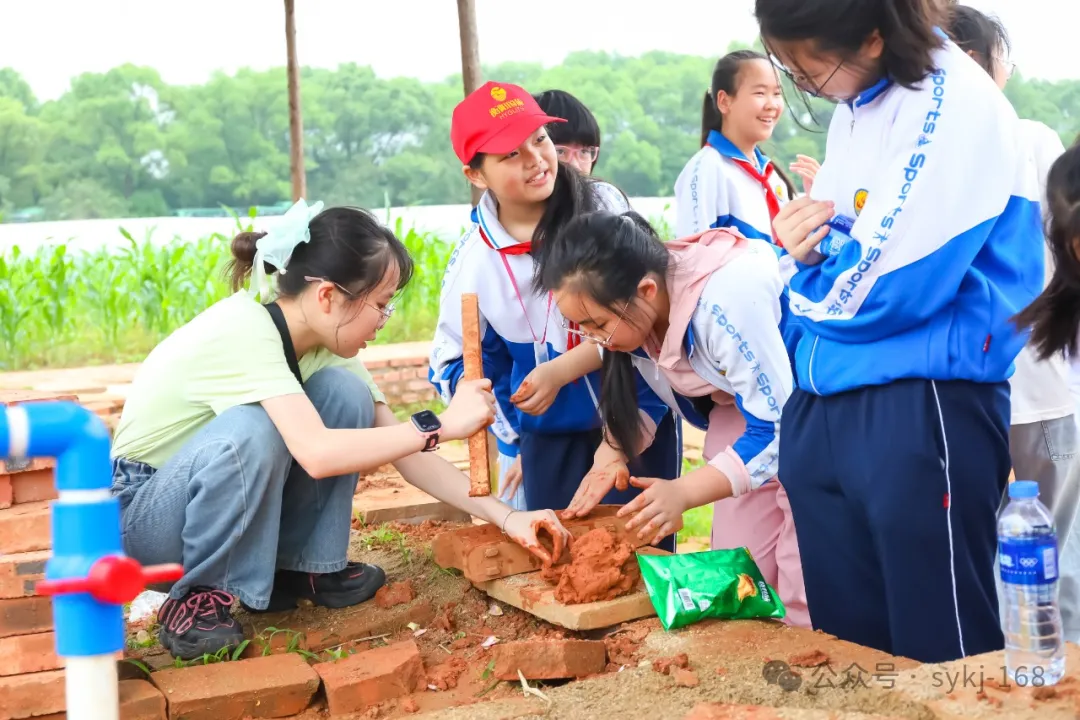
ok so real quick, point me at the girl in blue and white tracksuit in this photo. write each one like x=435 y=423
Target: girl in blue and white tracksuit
x=729 y=182
x=557 y=447
x=699 y=318
x=516 y=162
x=904 y=269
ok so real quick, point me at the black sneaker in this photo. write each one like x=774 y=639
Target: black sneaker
x=199 y=624
x=354 y=584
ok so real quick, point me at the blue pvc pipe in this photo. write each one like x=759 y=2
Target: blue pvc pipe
x=82 y=532
x=77 y=438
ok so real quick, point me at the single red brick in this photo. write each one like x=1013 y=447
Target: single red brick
x=263 y=687
x=25 y=616
x=20 y=572
x=25 y=528
x=404 y=399
x=549 y=659
x=29 y=654
x=371 y=677
x=139 y=700
x=23 y=696
x=7 y=493
x=33 y=486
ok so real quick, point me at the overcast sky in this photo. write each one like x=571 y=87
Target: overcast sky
x=50 y=41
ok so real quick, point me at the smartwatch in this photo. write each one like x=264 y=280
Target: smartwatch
x=427 y=424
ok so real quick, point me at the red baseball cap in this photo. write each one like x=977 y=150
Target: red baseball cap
x=495 y=118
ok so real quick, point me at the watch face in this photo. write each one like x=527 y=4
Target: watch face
x=426 y=421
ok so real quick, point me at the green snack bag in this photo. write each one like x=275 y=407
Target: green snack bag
x=723 y=584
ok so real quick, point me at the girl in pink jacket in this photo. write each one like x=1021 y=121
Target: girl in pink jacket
x=700 y=319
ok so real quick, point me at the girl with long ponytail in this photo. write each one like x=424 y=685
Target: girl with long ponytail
x=730 y=182
x=699 y=318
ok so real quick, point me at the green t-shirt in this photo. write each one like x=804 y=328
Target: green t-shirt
x=229 y=355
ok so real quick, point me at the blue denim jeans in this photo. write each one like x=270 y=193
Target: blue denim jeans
x=233 y=507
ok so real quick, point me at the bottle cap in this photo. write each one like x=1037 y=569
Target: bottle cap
x=1023 y=489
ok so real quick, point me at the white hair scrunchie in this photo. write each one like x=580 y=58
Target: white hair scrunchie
x=276 y=247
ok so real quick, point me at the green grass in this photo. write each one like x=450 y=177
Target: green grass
x=697 y=522
x=60 y=307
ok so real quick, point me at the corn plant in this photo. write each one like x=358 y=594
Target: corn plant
x=61 y=307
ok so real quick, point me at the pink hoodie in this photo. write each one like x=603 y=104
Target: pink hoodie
x=695 y=259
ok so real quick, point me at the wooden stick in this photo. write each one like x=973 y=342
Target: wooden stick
x=479 y=469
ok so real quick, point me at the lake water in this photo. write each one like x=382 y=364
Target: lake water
x=444 y=220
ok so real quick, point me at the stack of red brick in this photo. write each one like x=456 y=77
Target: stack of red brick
x=403 y=380
x=31 y=675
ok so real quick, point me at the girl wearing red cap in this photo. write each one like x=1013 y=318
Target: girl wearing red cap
x=498 y=132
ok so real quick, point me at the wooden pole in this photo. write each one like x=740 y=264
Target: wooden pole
x=470 y=56
x=296 y=123
x=479 y=467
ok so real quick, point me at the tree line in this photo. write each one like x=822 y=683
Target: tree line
x=126 y=144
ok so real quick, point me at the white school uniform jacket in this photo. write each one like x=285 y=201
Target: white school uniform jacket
x=1040 y=389
x=733 y=343
x=712 y=191
x=937 y=242
x=512 y=339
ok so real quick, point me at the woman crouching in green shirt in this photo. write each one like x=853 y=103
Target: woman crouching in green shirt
x=226 y=462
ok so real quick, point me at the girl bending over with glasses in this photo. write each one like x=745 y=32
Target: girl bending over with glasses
x=699 y=319
x=903 y=270
x=545 y=417
x=240 y=445
x=577 y=141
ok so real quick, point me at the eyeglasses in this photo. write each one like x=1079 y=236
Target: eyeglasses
x=803 y=82
x=592 y=338
x=1010 y=67
x=567 y=153
x=385 y=312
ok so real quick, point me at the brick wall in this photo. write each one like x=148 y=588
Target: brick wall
x=401 y=372
x=404 y=381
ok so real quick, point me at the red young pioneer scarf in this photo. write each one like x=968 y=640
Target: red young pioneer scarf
x=572 y=339
x=770 y=195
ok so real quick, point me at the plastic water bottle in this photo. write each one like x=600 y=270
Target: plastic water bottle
x=1027 y=552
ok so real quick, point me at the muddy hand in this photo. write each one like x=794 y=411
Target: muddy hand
x=597 y=483
x=525 y=390
x=538 y=390
x=525 y=529
x=657 y=511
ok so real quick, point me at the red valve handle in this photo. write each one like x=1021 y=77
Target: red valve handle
x=114 y=579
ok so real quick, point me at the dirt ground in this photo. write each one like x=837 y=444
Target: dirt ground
x=452 y=622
